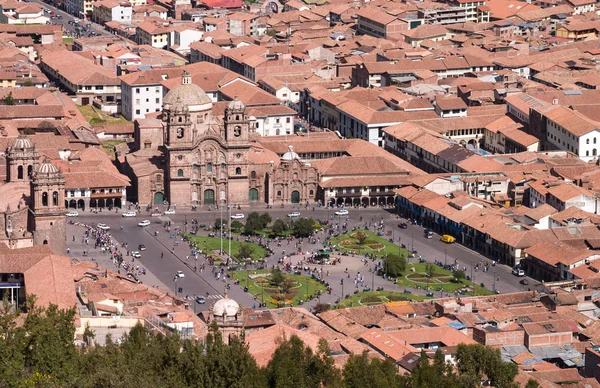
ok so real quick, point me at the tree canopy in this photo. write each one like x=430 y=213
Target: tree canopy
x=40 y=352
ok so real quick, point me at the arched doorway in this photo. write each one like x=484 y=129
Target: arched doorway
x=295 y=196
x=118 y=202
x=253 y=195
x=158 y=198
x=101 y=203
x=109 y=203
x=81 y=204
x=267 y=188
x=209 y=197
x=365 y=201
x=93 y=203
x=73 y=203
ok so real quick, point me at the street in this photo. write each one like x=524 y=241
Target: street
x=69 y=29
x=175 y=255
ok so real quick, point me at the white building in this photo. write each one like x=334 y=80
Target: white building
x=273 y=120
x=112 y=11
x=183 y=36
x=450 y=107
x=572 y=131
x=142 y=92
x=22 y=13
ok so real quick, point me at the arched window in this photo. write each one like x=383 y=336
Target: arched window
x=253 y=175
x=29 y=170
x=20 y=172
x=180 y=133
x=311 y=192
x=55 y=198
x=44 y=199
x=238 y=171
x=594 y=152
x=587 y=141
x=180 y=119
x=237 y=117
x=158 y=178
x=209 y=167
x=587 y=153
x=180 y=173
x=223 y=167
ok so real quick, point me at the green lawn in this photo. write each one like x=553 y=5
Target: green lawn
x=358 y=299
x=214 y=244
x=109 y=145
x=440 y=278
x=305 y=287
x=68 y=40
x=374 y=245
x=96 y=117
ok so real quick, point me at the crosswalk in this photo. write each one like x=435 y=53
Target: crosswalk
x=215 y=296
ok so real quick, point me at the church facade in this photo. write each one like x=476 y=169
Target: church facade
x=212 y=160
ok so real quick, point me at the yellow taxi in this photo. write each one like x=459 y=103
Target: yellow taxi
x=448 y=239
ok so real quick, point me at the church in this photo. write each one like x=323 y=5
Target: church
x=32 y=200
x=191 y=155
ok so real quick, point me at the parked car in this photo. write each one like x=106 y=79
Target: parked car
x=403 y=225
x=238 y=216
x=447 y=239
x=170 y=211
x=129 y=214
x=142 y=247
x=144 y=223
x=341 y=212
x=72 y=213
x=524 y=282
x=103 y=226
x=428 y=233
x=200 y=299
x=294 y=214
x=518 y=271
x=179 y=274
x=156 y=214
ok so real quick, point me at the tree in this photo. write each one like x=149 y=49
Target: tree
x=279 y=227
x=253 y=223
x=475 y=361
x=287 y=285
x=27 y=83
x=362 y=371
x=459 y=275
x=295 y=365
x=236 y=225
x=531 y=383
x=321 y=307
x=9 y=100
x=303 y=227
x=218 y=223
x=361 y=237
x=245 y=251
x=429 y=269
x=265 y=219
x=277 y=277
x=394 y=265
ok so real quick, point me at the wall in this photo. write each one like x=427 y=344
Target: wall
x=498 y=339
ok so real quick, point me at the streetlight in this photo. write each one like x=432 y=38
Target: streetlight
x=373 y=278
x=342 y=281
x=413 y=242
x=194 y=303
x=445 y=257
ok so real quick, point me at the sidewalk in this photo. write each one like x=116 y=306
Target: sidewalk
x=95 y=255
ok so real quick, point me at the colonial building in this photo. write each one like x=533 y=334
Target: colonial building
x=211 y=160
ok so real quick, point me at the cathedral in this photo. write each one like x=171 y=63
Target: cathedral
x=192 y=156
x=32 y=200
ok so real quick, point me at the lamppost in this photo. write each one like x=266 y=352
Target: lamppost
x=413 y=242
x=185 y=224
x=195 y=261
x=373 y=278
x=494 y=280
x=221 y=220
x=342 y=281
x=445 y=257
x=194 y=303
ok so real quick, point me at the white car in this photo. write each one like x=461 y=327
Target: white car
x=294 y=214
x=341 y=212
x=156 y=214
x=179 y=274
x=72 y=213
x=518 y=272
x=170 y=211
x=238 y=216
x=103 y=226
x=136 y=254
x=144 y=223
x=129 y=214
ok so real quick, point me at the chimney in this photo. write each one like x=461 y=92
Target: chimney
x=555 y=101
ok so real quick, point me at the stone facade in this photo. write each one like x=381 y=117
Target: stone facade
x=211 y=160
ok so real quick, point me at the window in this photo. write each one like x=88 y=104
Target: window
x=279 y=193
x=29 y=170
x=594 y=152
x=180 y=132
x=253 y=174
x=179 y=157
x=311 y=192
x=20 y=172
x=209 y=167
x=180 y=173
x=288 y=120
x=137 y=111
x=44 y=199
x=594 y=140
x=55 y=198
x=158 y=178
x=158 y=100
x=238 y=171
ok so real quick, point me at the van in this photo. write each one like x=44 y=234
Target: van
x=518 y=272
x=448 y=239
x=428 y=233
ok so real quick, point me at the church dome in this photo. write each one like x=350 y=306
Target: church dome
x=47 y=167
x=226 y=307
x=236 y=105
x=290 y=155
x=187 y=93
x=22 y=143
